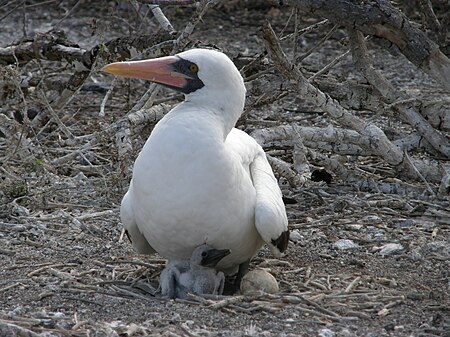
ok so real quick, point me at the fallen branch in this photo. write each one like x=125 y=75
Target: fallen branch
x=391 y=94
x=380 y=18
x=378 y=142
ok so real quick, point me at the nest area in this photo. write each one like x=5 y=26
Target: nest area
x=369 y=250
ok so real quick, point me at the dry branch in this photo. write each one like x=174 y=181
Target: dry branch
x=114 y=50
x=364 y=64
x=379 y=143
x=52 y=46
x=382 y=19
x=55 y=47
x=162 y=19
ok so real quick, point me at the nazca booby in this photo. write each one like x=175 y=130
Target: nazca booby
x=196 y=275
x=199 y=180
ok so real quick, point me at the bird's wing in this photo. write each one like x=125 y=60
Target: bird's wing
x=270 y=213
x=137 y=239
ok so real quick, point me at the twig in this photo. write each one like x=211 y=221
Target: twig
x=329 y=66
x=105 y=99
x=307 y=29
x=17 y=330
x=183 y=39
x=55 y=117
x=420 y=175
x=147 y=99
x=432 y=20
x=52 y=266
x=10 y=286
x=162 y=19
x=81 y=300
x=79 y=2
x=317 y=45
x=228 y=301
x=352 y=285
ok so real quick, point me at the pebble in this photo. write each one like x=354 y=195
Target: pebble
x=416 y=255
x=344 y=244
x=17 y=311
x=404 y=223
x=354 y=227
x=295 y=236
x=346 y=333
x=391 y=249
x=326 y=333
x=372 y=219
x=441 y=248
x=259 y=280
x=59 y=315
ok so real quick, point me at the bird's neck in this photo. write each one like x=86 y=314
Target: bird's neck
x=199 y=268
x=225 y=108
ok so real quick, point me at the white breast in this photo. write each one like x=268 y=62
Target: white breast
x=190 y=188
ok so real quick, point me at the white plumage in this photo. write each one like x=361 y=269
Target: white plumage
x=198 y=180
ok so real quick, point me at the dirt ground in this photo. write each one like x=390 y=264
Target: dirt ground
x=359 y=263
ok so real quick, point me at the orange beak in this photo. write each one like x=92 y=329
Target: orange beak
x=158 y=70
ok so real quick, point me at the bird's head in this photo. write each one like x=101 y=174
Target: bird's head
x=191 y=72
x=207 y=256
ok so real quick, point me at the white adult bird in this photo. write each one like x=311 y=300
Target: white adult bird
x=198 y=180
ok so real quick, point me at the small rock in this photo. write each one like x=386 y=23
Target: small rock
x=427 y=224
x=346 y=333
x=344 y=244
x=326 y=333
x=404 y=223
x=416 y=255
x=353 y=227
x=295 y=236
x=391 y=249
x=259 y=280
x=379 y=236
x=17 y=311
x=389 y=327
x=58 y=315
x=371 y=219
x=384 y=312
x=440 y=248
x=63 y=325
x=415 y=296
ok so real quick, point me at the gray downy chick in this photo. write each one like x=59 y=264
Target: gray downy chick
x=197 y=276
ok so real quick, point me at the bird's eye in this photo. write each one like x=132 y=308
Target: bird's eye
x=193 y=68
x=203 y=254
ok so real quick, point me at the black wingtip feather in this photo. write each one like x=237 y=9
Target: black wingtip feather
x=128 y=236
x=282 y=241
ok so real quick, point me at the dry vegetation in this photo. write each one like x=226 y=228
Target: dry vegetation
x=366 y=105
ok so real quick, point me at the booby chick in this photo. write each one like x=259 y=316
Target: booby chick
x=198 y=179
x=196 y=276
